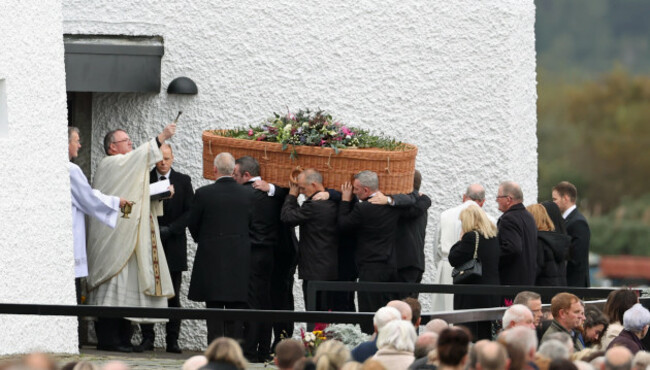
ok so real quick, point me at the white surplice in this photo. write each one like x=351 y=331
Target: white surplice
x=123 y=267
x=92 y=203
x=449 y=234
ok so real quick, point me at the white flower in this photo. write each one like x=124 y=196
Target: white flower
x=287 y=128
x=310 y=337
x=348 y=136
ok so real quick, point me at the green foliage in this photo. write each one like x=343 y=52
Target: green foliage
x=595 y=134
x=311 y=128
x=580 y=39
x=624 y=230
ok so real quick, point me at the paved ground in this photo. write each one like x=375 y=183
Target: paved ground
x=158 y=359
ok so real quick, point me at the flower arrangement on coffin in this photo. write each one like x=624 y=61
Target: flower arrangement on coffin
x=312 y=339
x=314 y=140
x=313 y=128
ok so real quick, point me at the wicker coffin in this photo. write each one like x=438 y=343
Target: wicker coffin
x=394 y=168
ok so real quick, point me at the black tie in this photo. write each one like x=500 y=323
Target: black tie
x=162 y=178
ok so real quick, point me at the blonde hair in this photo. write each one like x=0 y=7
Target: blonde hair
x=331 y=355
x=542 y=220
x=474 y=218
x=226 y=350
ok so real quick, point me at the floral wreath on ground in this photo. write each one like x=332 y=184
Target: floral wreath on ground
x=312 y=128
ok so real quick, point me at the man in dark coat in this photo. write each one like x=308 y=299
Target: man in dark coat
x=319 y=238
x=565 y=196
x=174 y=240
x=268 y=235
x=409 y=248
x=219 y=222
x=376 y=231
x=409 y=245
x=517 y=237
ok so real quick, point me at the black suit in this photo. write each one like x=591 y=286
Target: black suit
x=319 y=241
x=174 y=241
x=409 y=249
x=518 y=241
x=577 y=270
x=266 y=233
x=376 y=230
x=219 y=222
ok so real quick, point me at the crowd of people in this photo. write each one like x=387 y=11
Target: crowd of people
x=247 y=245
x=567 y=337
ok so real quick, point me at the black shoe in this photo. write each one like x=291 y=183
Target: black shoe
x=174 y=348
x=145 y=345
x=118 y=348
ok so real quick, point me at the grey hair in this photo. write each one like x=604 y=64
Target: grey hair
x=72 y=129
x=512 y=189
x=109 y=138
x=385 y=315
x=521 y=337
x=562 y=338
x=554 y=349
x=636 y=318
x=312 y=176
x=641 y=360
x=397 y=334
x=516 y=313
x=224 y=163
x=526 y=296
x=475 y=192
x=369 y=179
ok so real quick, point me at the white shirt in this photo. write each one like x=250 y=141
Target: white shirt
x=271 y=191
x=568 y=211
x=159 y=175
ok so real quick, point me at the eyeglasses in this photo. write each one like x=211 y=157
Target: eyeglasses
x=502 y=196
x=121 y=141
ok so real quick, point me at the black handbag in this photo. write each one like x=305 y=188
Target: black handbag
x=469 y=271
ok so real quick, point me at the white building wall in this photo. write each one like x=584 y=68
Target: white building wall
x=37 y=264
x=456 y=78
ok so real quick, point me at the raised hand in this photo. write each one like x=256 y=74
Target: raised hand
x=346 y=191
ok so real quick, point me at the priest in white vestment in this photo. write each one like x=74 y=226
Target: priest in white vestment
x=449 y=234
x=127 y=266
x=86 y=201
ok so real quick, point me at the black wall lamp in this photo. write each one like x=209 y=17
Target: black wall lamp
x=182 y=85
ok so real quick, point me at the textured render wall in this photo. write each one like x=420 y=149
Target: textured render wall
x=36 y=236
x=457 y=78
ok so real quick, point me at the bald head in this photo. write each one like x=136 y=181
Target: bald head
x=618 y=358
x=403 y=308
x=425 y=343
x=436 y=326
x=492 y=356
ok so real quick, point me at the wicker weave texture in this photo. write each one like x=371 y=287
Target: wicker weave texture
x=394 y=168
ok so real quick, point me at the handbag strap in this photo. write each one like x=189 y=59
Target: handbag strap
x=476 y=245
